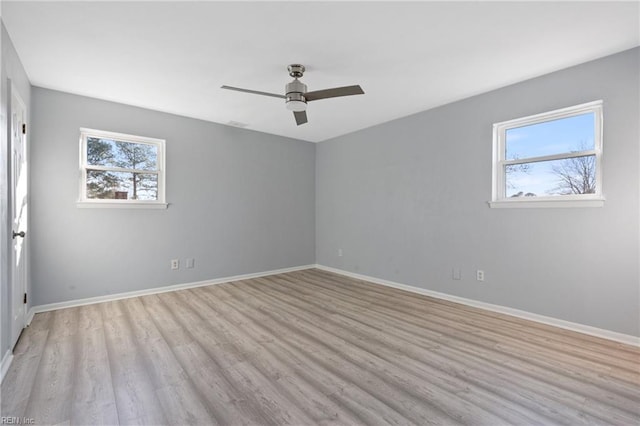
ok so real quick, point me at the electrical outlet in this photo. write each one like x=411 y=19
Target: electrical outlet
x=480 y=275
x=456 y=274
x=189 y=262
x=175 y=264
x=339 y=252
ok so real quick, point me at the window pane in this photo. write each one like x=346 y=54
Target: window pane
x=546 y=178
x=121 y=185
x=564 y=135
x=126 y=155
x=100 y=152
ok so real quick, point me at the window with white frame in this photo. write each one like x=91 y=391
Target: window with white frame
x=551 y=159
x=118 y=170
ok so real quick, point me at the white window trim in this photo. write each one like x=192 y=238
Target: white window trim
x=498 y=199
x=84 y=202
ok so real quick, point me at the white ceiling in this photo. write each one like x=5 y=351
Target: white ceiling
x=408 y=57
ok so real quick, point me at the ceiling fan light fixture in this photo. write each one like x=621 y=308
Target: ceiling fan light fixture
x=295 y=99
x=297 y=106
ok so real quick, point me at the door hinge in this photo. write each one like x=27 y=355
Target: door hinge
x=25 y=298
x=24 y=128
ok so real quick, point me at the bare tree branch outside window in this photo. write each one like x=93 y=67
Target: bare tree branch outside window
x=576 y=175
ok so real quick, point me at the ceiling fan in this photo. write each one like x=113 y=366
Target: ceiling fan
x=296 y=95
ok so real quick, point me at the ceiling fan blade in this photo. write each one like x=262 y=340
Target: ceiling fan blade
x=255 y=92
x=300 y=116
x=334 y=93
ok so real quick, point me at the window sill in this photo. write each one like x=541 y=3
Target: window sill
x=120 y=205
x=546 y=203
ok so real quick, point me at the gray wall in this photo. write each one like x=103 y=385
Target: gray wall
x=407 y=202
x=240 y=202
x=11 y=72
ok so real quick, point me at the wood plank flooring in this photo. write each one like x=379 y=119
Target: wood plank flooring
x=312 y=348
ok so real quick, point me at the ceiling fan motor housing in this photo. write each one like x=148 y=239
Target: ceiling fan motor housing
x=295 y=95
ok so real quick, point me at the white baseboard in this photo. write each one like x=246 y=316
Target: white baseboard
x=581 y=328
x=156 y=290
x=5 y=364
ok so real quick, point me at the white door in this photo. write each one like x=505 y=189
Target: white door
x=19 y=210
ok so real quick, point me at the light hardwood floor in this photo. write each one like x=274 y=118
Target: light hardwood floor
x=307 y=348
